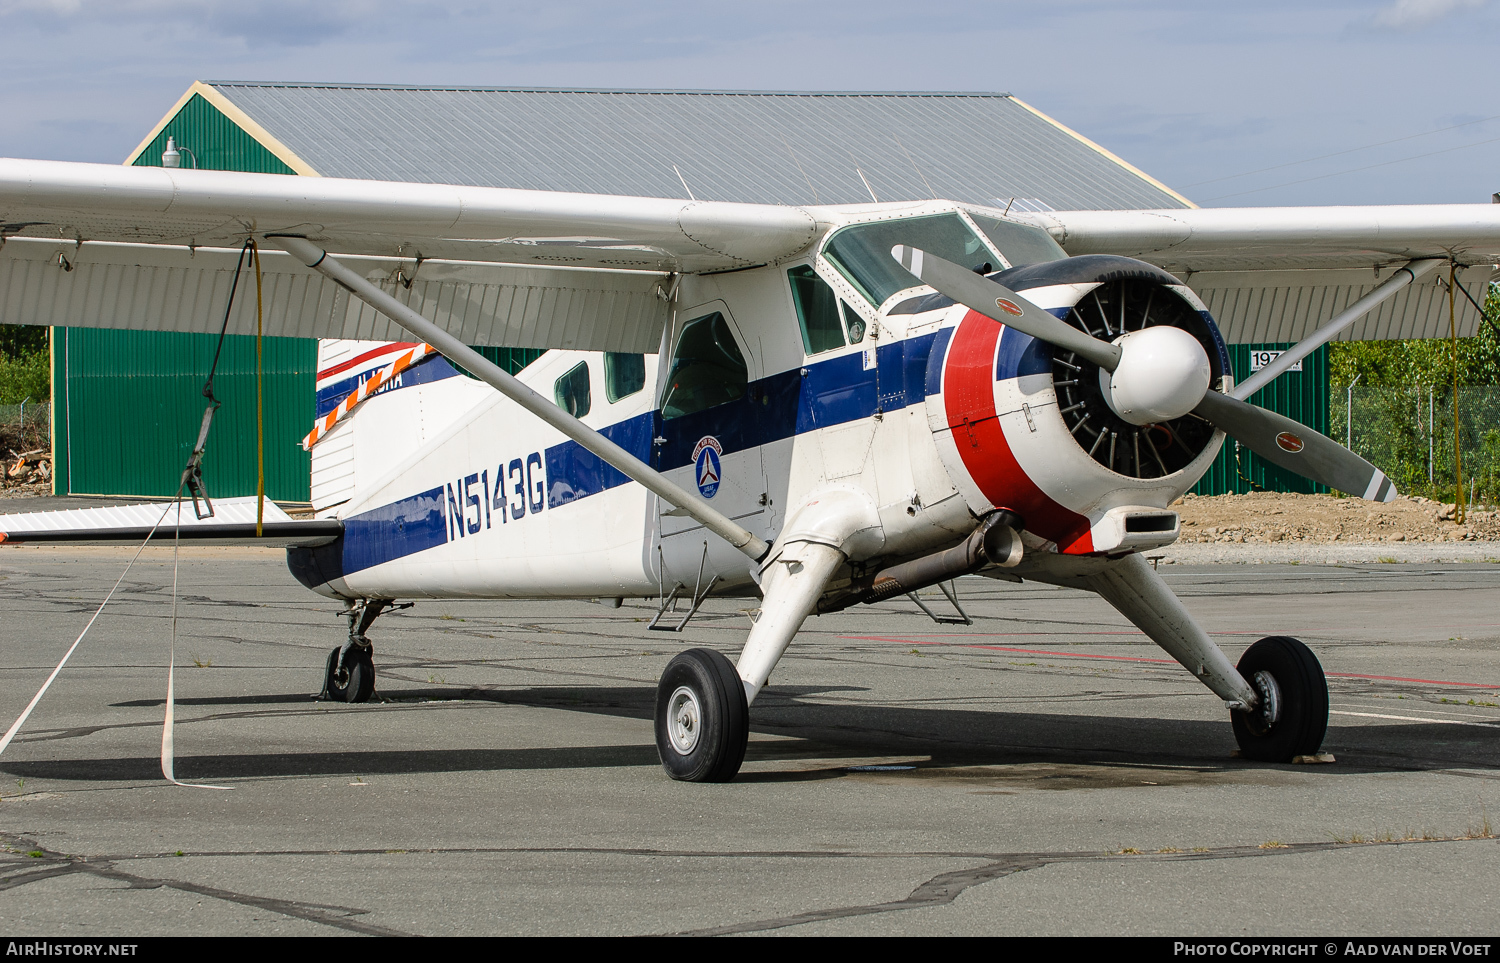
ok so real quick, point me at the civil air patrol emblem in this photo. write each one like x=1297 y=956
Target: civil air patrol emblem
x=706 y=470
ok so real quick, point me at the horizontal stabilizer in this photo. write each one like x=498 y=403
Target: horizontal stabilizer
x=233 y=523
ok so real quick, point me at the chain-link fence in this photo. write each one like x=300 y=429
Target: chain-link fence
x=1408 y=434
x=24 y=428
x=31 y=413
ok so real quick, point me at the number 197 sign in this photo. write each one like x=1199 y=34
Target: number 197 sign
x=1259 y=359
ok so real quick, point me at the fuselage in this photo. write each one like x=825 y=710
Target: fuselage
x=773 y=384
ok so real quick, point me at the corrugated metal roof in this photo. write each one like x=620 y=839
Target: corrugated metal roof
x=759 y=147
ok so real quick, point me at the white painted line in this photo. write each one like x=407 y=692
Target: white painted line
x=1441 y=722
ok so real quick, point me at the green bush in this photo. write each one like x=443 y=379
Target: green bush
x=19 y=340
x=27 y=376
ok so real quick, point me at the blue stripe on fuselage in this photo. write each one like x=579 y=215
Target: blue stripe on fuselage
x=574 y=472
x=394 y=531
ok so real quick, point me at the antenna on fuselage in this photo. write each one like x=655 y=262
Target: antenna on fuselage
x=816 y=199
x=684 y=183
x=913 y=165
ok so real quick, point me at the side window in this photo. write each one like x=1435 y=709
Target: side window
x=572 y=391
x=624 y=375
x=853 y=323
x=817 y=310
x=707 y=368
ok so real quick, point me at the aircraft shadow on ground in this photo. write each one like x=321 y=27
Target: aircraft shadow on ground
x=935 y=738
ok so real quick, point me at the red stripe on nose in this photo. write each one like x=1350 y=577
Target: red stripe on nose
x=969 y=397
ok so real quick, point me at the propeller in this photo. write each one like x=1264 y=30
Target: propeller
x=1156 y=374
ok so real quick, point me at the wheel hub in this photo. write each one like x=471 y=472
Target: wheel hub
x=684 y=720
x=1265 y=716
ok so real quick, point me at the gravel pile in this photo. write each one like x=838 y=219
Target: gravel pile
x=1277 y=517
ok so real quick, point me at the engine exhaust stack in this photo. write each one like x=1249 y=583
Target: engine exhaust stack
x=997 y=541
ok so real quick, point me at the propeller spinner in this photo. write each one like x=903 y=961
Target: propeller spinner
x=1155 y=375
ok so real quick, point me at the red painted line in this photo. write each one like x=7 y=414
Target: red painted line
x=1134 y=658
x=360 y=359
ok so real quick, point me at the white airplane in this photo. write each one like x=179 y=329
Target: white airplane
x=814 y=406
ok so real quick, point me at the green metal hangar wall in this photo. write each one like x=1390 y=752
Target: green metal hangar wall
x=126 y=404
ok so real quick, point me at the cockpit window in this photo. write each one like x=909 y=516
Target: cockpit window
x=1019 y=243
x=862 y=252
x=707 y=368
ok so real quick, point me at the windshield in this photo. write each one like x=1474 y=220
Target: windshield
x=1019 y=243
x=862 y=252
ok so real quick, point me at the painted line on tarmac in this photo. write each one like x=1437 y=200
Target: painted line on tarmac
x=1436 y=712
x=1137 y=658
x=1439 y=722
x=1397 y=678
x=1003 y=648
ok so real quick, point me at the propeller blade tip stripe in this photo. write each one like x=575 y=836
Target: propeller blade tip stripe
x=1380 y=488
x=909 y=258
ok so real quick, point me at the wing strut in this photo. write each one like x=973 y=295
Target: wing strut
x=455 y=350
x=1406 y=274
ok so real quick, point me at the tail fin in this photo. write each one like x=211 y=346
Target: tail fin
x=372 y=436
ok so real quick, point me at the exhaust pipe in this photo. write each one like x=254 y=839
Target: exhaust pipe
x=995 y=542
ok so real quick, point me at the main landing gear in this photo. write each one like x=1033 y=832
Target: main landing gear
x=702 y=718
x=1292 y=715
x=703 y=701
x=1277 y=695
x=350 y=673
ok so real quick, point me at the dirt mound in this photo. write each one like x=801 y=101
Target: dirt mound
x=1281 y=517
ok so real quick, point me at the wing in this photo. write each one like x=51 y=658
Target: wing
x=1275 y=274
x=233 y=523
x=139 y=247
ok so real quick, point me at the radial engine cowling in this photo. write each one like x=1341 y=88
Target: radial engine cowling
x=1076 y=452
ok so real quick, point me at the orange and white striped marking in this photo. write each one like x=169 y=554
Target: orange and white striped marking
x=376 y=381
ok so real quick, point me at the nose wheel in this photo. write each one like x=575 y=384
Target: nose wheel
x=702 y=720
x=1292 y=716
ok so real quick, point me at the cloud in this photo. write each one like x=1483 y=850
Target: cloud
x=1415 y=14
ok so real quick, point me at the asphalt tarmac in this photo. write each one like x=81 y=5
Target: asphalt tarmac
x=1064 y=778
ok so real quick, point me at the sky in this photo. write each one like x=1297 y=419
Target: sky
x=1232 y=104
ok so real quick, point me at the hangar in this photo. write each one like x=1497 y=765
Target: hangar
x=124 y=403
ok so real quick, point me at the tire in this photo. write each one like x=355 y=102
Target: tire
x=356 y=683
x=702 y=721
x=1302 y=693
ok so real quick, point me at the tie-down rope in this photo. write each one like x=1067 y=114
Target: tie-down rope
x=192 y=481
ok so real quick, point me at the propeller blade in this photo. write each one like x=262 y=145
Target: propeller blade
x=1282 y=441
x=1000 y=303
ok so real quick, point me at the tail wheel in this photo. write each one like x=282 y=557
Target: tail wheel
x=354 y=681
x=702 y=720
x=1292 y=717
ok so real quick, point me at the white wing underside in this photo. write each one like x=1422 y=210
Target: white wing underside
x=133 y=247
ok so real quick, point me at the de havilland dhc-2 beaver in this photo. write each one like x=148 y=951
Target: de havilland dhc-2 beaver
x=816 y=407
